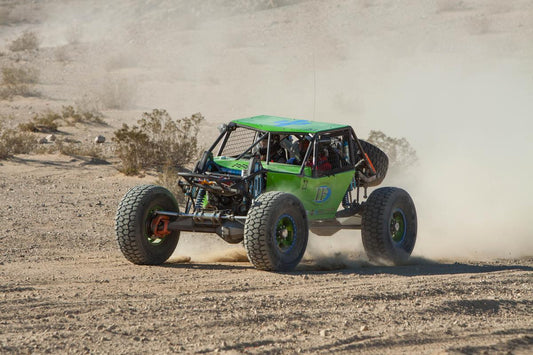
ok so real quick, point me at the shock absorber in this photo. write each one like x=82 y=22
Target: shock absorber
x=346 y=199
x=199 y=200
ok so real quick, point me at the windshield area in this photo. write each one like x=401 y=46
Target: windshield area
x=244 y=143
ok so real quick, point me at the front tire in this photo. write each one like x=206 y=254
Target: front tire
x=389 y=226
x=276 y=231
x=133 y=225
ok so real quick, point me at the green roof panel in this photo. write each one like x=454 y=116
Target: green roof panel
x=283 y=124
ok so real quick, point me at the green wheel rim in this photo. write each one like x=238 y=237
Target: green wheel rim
x=285 y=232
x=148 y=230
x=397 y=226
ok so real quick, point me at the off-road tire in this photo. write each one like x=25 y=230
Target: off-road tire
x=132 y=225
x=272 y=215
x=389 y=226
x=380 y=161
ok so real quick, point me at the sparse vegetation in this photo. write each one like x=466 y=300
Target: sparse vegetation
x=169 y=178
x=74 y=148
x=26 y=42
x=15 y=142
x=42 y=122
x=158 y=142
x=79 y=149
x=400 y=152
x=18 y=81
x=50 y=121
x=72 y=116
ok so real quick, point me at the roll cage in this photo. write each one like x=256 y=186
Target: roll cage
x=349 y=142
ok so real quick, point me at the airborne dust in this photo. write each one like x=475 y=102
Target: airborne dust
x=454 y=78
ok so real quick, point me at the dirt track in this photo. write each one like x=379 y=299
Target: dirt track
x=453 y=77
x=66 y=288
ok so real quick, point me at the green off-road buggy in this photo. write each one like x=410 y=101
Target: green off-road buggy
x=266 y=181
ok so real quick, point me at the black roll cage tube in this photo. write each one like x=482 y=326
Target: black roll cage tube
x=312 y=149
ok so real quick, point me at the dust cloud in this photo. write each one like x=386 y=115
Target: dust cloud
x=454 y=78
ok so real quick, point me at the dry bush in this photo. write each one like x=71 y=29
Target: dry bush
x=158 y=141
x=400 y=152
x=72 y=116
x=14 y=142
x=18 y=81
x=42 y=122
x=169 y=178
x=49 y=121
x=28 y=41
x=79 y=149
x=74 y=148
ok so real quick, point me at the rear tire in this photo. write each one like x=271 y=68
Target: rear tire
x=389 y=226
x=380 y=161
x=132 y=225
x=276 y=231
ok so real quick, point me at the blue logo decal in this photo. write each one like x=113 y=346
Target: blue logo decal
x=322 y=194
x=284 y=123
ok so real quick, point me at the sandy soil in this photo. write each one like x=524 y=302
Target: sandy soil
x=65 y=287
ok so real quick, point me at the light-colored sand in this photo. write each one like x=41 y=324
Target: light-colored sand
x=453 y=77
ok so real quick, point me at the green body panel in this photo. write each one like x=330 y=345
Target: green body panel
x=231 y=163
x=321 y=196
x=286 y=125
x=242 y=164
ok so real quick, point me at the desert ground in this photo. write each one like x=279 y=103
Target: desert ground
x=453 y=77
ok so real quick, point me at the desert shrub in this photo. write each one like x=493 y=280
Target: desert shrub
x=157 y=141
x=400 y=152
x=80 y=149
x=42 y=122
x=49 y=121
x=71 y=116
x=18 y=81
x=18 y=75
x=169 y=178
x=26 y=42
x=15 y=142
